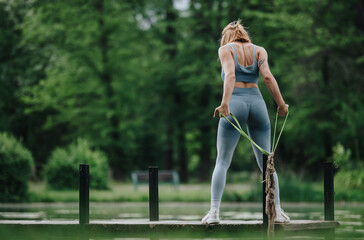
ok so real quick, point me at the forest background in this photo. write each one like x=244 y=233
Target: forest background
x=139 y=81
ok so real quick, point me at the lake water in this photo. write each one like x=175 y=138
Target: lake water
x=350 y=215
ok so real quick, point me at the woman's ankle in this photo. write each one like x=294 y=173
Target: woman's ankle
x=278 y=206
x=212 y=209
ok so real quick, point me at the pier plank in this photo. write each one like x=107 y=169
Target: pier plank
x=146 y=225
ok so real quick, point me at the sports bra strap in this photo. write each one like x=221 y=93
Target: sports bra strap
x=235 y=56
x=254 y=58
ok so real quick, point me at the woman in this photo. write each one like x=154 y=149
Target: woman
x=241 y=62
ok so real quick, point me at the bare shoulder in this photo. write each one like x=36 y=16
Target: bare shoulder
x=261 y=50
x=225 y=51
x=262 y=57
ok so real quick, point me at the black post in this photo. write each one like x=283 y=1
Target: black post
x=265 y=216
x=329 y=190
x=84 y=181
x=153 y=194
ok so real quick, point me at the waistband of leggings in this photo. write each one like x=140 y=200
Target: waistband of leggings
x=246 y=91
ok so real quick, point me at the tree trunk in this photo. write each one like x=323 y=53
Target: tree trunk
x=175 y=128
x=205 y=154
x=168 y=151
x=325 y=113
x=207 y=31
x=170 y=41
x=182 y=153
x=115 y=153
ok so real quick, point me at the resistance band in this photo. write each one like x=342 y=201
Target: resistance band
x=269 y=180
x=240 y=130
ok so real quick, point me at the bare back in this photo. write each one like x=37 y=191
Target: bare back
x=244 y=52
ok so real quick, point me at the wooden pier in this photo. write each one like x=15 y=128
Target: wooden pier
x=142 y=227
x=161 y=226
x=155 y=230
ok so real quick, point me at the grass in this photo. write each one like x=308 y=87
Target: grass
x=292 y=189
x=124 y=192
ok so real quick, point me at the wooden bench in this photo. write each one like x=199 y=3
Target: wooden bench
x=164 y=177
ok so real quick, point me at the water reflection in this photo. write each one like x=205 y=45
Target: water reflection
x=350 y=216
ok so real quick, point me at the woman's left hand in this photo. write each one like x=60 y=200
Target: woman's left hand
x=223 y=109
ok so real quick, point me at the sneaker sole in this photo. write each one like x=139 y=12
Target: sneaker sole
x=285 y=221
x=213 y=222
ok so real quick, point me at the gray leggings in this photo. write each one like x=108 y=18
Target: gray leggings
x=248 y=106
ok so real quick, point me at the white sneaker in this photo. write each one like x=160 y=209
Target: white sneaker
x=281 y=216
x=212 y=217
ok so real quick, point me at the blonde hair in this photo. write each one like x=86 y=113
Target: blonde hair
x=233 y=32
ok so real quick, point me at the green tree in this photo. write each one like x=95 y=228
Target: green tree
x=140 y=79
x=93 y=74
x=21 y=66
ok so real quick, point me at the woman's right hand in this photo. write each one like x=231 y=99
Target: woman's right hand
x=283 y=110
x=223 y=108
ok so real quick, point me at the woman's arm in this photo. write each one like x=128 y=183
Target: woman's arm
x=270 y=81
x=227 y=63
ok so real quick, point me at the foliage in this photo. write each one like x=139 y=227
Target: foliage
x=21 y=66
x=16 y=163
x=140 y=79
x=341 y=156
x=351 y=179
x=351 y=173
x=307 y=191
x=88 y=85
x=62 y=168
x=293 y=188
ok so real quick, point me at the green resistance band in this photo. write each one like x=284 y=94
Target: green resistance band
x=240 y=130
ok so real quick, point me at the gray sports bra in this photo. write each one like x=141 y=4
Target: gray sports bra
x=248 y=74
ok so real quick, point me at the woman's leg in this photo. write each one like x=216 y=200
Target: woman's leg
x=258 y=126
x=227 y=139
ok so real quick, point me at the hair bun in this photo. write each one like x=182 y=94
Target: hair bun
x=234 y=31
